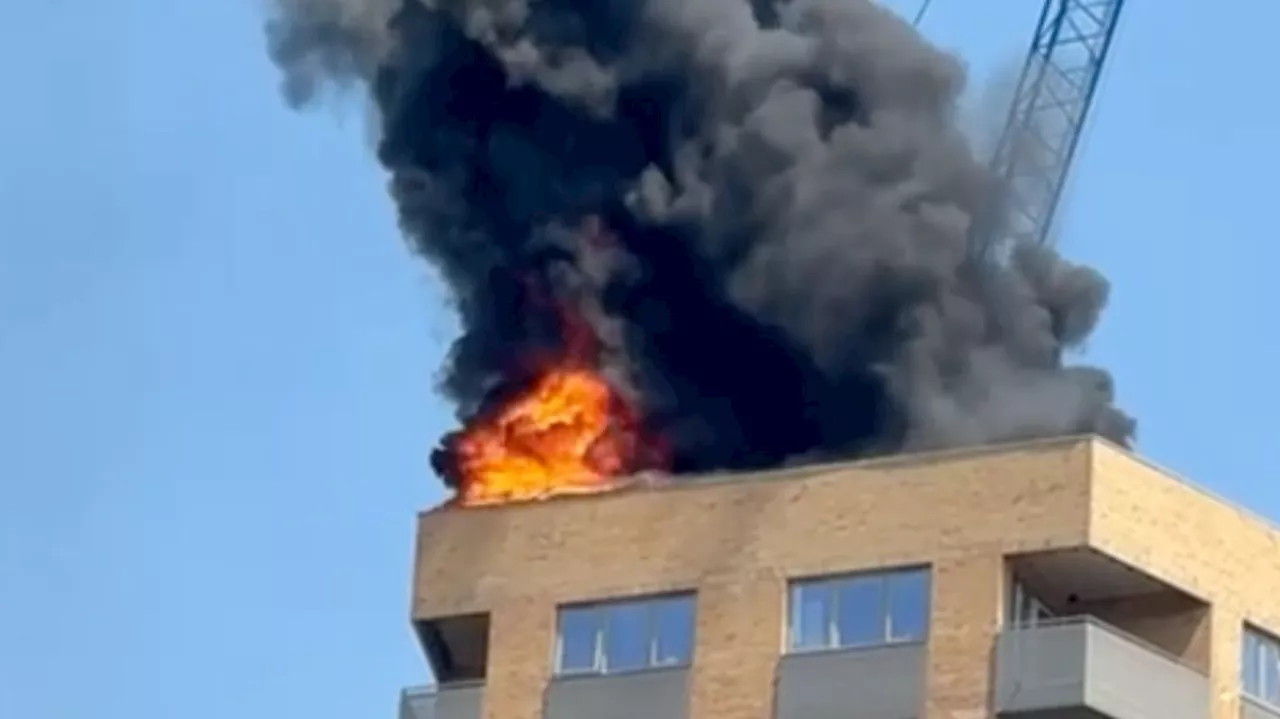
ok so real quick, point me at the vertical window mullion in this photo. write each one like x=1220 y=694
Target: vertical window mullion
x=829 y=637
x=602 y=628
x=1018 y=600
x=559 y=658
x=833 y=616
x=886 y=615
x=651 y=632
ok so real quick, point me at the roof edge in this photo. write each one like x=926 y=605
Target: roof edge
x=659 y=482
x=1203 y=490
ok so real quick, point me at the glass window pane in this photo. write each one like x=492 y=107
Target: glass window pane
x=1017 y=605
x=673 y=621
x=1270 y=689
x=1042 y=613
x=626 y=636
x=810 y=615
x=579 y=630
x=1250 y=667
x=860 y=611
x=908 y=606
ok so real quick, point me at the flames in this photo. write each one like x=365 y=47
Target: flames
x=568 y=431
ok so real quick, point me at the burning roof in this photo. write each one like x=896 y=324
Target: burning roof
x=565 y=429
x=701 y=234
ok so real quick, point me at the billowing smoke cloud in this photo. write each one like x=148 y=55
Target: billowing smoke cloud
x=764 y=208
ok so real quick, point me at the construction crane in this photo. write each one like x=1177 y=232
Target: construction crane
x=1055 y=90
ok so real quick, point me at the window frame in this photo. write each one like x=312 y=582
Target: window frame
x=830 y=588
x=1026 y=610
x=597 y=634
x=599 y=613
x=1262 y=641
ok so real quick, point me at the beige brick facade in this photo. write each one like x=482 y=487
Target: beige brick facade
x=738 y=541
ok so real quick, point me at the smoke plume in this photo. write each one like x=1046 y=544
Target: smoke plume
x=763 y=208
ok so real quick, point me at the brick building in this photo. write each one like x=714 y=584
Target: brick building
x=1054 y=579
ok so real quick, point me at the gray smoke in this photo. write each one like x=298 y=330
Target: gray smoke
x=781 y=204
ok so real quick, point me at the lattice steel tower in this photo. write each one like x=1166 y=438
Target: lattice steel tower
x=1049 y=110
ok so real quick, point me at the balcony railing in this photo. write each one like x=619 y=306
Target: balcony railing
x=651 y=693
x=883 y=682
x=459 y=700
x=1080 y=666
x=1251 y=708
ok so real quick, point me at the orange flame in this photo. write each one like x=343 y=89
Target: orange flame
x=568 y=432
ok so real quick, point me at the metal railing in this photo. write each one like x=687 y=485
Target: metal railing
x=423 y=690
x=1261 y=705
x=1090 y=620
x=412 y=698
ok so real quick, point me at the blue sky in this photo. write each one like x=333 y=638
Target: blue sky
x=216 y=354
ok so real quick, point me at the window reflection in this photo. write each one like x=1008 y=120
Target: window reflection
x=625 y=635
x=865 y=609
x=673 y=621
x=861 y=616
x=811 y=615
x=1250 y=664
x=579 y=632
x=1270 y=661
x=908 y=606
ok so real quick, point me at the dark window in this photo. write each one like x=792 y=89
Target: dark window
x=859 y=610
x=625 y=635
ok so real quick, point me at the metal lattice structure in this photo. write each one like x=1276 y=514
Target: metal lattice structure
x=1049 y=109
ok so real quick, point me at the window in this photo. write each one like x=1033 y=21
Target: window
x=1025 y=610
x=908 y=606
x=625 y=635
x=1260 y=666
x=673 y=631
x=859 y=610
x=579 y=639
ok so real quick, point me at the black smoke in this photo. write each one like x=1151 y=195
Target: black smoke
x=787 y=206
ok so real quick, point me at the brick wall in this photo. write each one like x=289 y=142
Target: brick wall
x=738 y=541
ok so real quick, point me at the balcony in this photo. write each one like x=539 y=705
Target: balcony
x=643 y=694
x=883 y=682
x=1081 y=668
x=457 y=648
x=459 y=700
x=1251 y=708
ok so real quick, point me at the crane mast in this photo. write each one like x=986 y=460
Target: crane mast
x=1049 y=109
